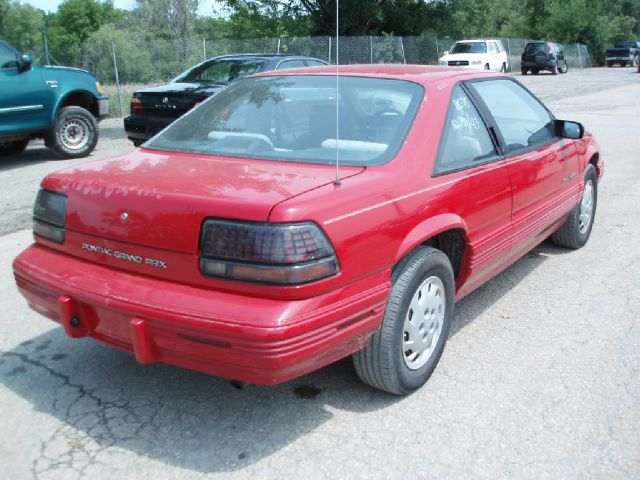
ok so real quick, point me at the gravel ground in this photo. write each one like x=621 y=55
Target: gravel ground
x=540 y=378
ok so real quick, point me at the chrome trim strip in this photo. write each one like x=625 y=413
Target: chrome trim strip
x=408 y=195
x=21 y=108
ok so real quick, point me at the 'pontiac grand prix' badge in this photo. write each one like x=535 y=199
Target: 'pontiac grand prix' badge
x=154 y=262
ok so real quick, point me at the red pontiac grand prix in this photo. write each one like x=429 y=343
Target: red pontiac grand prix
x=233 y=244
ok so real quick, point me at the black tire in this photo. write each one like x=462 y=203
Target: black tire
x=609 y=64
x=535 y=71
x=572 y=233
x=623 y=64
x=503 y=68
x=564 y=68
x=382 y=364
x=523 y=70
x=15 y=147
x=487 y=67
x=554 y=69
x=75 y=134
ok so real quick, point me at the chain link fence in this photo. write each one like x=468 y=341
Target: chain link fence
x=125 y=64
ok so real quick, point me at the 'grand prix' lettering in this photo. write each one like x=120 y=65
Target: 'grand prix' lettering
x=124 y=256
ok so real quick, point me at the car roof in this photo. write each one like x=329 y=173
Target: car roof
x=423 y=74
x=265 y=56
x=479 y=40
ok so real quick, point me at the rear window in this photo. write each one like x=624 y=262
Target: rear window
x=221 y=71
x=293 y=119
x=535 y=48
x=469 y=47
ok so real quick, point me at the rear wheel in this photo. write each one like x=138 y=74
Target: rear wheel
x=503 y=68
x=576 y=229
x=609 y=64
x=523 y=70
x=535 y=71
x=15 y=147
x=75 y=134
x=554 y=70
x=404 y=351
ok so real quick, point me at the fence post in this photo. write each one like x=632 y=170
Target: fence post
x=579 y=56
x=46 y=48
x=371 y=48
x=204 y=49
x=437 y=49
x=509 y=53
x=115 y=67
x=404 y=59
x=278 y=52
x=329 y=50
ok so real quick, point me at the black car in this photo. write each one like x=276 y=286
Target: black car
x=154 y=108
x=539 y=56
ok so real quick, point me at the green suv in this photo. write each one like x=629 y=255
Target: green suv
x=60 y=104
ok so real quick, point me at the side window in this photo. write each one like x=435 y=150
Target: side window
x=492 y=47
x=314 y=63
x=291 y=64
x=8 y=59
x=465 y=140
x=521 y=118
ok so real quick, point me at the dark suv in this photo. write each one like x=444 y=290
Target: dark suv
x=154 y=108
x=543 y=56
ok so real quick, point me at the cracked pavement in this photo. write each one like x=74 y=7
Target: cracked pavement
x=540 y=378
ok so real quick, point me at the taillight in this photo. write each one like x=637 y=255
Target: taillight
x=280 y=254
x=550 y=49
x=136 y=106
x=49 y=215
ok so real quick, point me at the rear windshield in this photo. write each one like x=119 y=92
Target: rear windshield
x=221 y=71
x=625 y=44
x=536 y=47
x=469 y=47
x=293 y=119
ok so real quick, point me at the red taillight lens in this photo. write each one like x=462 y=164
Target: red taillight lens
x=268 y=253
x=136 y=106
x=550 y=48
x=49 y=214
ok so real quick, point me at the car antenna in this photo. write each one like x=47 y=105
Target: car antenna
x=337 y=180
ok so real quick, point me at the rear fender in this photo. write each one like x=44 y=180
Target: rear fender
x=429 y=228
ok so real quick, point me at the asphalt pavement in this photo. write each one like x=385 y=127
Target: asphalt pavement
x=540 y=378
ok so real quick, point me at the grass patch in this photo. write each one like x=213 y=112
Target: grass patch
x=126 y=92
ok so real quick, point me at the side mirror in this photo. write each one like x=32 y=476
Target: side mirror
x=25 y=62
x=567 y=129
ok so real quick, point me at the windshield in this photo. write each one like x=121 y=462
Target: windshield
x=627 y=44
x=293 y=119
x=469 y=47
x=221 y=71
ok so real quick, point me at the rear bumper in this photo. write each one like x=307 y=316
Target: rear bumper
x=262 y=341
x=139 y=127
x=548 y=64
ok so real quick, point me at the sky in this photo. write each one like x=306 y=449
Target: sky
x=52 y=5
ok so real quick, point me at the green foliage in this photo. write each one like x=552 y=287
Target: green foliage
x=22 y=25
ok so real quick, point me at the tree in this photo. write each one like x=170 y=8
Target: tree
x=22 y=25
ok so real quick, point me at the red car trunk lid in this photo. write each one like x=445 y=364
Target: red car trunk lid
x=160 y=199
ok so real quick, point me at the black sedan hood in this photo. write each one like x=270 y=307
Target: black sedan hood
x=190 y=89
